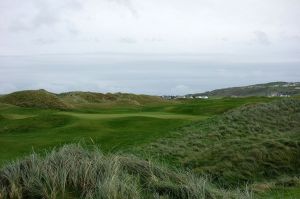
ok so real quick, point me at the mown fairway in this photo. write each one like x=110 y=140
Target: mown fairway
x=113 y=127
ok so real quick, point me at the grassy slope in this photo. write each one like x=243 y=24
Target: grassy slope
x=78 y=99
x=257 y=90
x=111 y=127
x=254 y=142
x=73 y=172
x=49 y=130
x=34 y=99
x=75 y=100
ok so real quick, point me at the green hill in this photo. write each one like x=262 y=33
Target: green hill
x=79 y=97
x=268 y=89
x=140 y=99
x=34 y=99
x=46 y=100
x=247 y=144
x=86 y=97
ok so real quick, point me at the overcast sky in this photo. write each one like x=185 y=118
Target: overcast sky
x=147 y=46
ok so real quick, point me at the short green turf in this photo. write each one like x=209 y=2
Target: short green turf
x=112 y=127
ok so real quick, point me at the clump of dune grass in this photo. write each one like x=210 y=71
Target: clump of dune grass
x=75 y=172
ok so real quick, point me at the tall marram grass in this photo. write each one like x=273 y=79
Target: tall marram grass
x=74 y=172
x=250 y=143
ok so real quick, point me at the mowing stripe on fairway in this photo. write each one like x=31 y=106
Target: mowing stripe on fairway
x=160 y=115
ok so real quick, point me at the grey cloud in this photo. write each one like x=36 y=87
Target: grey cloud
x=154 y=39
x=295 y=38
x=224 y=39
x=262 y=38
x=127 y=40
x=44 y=41
x=18 y=25
x=72 y=29
x=128 y=4
x=168 y=46
x=47 y=14
x=192 y=27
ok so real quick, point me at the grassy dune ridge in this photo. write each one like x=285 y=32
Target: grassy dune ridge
x=74 y=100
x=35 y=99
x=268 y=89
x=253 y=142
x=78 y=98
x=74 y=172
